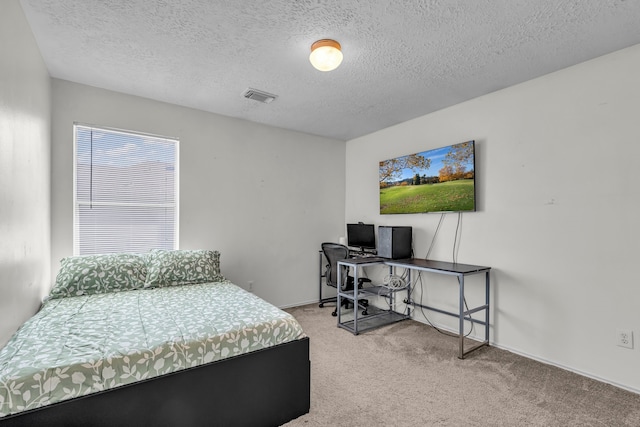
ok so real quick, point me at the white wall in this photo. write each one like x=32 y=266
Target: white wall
x=263 y=196
x=557 y=175
x=25 y=103
x=557 y=187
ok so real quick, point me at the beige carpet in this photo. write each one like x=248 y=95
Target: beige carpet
x=408 y=374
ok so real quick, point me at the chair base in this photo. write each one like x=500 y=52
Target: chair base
x=362 y=304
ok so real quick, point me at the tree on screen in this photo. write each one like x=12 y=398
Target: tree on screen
x=456 y=162
x=459 y=156
x=391 y=170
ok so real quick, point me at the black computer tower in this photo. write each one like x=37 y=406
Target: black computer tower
x=394 y=242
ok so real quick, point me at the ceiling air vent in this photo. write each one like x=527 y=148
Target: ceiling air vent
x=258 y=95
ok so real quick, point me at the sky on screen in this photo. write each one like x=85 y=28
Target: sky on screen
x=437 y=156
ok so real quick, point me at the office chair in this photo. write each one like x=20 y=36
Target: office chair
x=335 y=252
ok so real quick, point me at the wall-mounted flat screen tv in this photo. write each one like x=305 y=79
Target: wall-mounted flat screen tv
x=440 y=180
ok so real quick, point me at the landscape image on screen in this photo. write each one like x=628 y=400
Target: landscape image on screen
x=440 y=180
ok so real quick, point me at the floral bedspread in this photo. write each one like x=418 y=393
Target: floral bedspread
x=80 y=345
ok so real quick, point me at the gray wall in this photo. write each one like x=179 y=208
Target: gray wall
x=25 y=104
x=557 y=176
x=264 y=197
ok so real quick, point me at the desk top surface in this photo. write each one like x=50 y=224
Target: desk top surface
x=364 y=260
x=453 y=267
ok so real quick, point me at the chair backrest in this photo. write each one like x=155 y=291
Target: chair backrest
x=335 y=252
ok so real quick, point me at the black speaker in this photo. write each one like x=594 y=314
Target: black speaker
x=394 y=242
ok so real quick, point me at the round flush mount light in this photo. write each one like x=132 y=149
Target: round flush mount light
x=325 y=55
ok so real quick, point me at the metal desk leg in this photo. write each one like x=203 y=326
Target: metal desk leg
x=320 y=278
x=409 y=283
x=355 y=300
x=462 y=353
x=461 y=319
x=338 y=297
x=486 y=313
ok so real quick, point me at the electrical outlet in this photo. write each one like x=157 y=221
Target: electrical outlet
x=250 y=283
x=625 y=338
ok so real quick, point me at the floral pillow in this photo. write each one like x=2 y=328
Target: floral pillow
x=98 y=274
x=182 y=267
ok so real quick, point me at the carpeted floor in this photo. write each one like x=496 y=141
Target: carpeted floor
x=408 y=374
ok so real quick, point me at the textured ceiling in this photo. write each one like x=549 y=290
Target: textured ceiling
x=402 y=59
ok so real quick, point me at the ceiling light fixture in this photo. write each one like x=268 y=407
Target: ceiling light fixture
x=325 y=55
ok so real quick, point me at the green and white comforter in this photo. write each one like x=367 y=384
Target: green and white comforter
x=80 y=345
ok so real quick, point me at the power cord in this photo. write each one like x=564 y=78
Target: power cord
x=393 y=282
x=443 y=332
x=456 y=248
x=435 y=234
x=457 y=238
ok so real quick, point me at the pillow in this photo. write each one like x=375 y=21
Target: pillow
x=182 y=267
x=98 y=274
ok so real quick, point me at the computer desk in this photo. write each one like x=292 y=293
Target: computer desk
x=438 y=267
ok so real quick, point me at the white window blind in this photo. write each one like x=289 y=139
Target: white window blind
x=125 y=191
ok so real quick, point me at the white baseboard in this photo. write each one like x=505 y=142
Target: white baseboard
x=299 y=304
x=567 y=368
x=542 y=360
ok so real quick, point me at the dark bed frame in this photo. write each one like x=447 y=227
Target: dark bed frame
x=264 y=388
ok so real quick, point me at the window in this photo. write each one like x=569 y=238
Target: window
x=125 y=191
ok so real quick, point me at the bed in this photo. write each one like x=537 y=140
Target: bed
x=154 y=339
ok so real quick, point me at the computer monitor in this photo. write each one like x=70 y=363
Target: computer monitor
x=361 y=236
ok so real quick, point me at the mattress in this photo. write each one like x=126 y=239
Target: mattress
x=84 y=344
